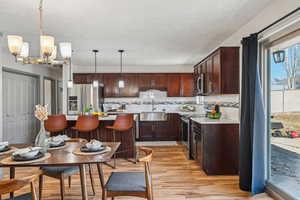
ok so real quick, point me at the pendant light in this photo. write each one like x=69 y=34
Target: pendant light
x=121 y=82
x=95 y=82
x=70 y=81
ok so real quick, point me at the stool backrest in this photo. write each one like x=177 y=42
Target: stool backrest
x=123 y=122
x=86 y=123
x=56 y=123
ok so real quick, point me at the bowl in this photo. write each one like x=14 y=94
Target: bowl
x=27 y=152
x=94 y=145
x=3 y=145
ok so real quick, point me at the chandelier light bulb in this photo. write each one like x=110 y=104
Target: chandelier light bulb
x=47 y=45
x=65 y=50
x=15 y=44
x=25 y=50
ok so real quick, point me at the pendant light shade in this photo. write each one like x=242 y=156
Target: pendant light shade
x=95 y=82
x=25 y=50
x=70 y=81
x=279 y=56
x=15 y=44
x=121 y=82
x=65 y=50
x=47 y=45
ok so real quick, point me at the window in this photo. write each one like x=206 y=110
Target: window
x=284 y=115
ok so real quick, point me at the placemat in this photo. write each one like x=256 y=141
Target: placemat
x=12 y=149
x=10 y=161
x=56 y=148
x=80 y=153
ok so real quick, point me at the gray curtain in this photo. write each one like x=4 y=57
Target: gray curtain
x=252 y=126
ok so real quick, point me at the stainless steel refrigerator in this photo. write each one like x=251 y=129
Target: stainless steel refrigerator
x=83 y=96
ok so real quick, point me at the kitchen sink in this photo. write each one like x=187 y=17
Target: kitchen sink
x=153 y=116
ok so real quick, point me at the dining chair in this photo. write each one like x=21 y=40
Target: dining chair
x=63 y=172
x=12 y=185
x=137 y=184
x=123 y=122
x=86 y=124
x=56 y=124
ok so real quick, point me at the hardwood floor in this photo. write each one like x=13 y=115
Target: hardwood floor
x=174 y=178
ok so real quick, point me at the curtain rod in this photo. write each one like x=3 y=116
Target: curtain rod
x=279 y=20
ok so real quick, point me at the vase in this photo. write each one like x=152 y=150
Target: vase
x=41 y=139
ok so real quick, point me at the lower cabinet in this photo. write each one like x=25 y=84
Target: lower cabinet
x=216 y=147
x=160 y=130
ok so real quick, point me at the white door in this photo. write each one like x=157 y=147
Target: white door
x=20 y=95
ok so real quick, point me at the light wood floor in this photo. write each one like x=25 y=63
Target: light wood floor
x=174 y=178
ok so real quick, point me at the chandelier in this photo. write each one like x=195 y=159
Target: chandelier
x=48 y=49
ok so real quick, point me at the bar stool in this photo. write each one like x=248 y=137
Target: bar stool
x=86 y=124
x=123 y=122
x=56 y=123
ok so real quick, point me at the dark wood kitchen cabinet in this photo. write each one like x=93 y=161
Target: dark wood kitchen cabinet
x=186 y=85
x=221 y=71
x=161 y=130
x=176 y=84
x=216 y=147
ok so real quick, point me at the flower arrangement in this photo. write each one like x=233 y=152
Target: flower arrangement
x=41 y=112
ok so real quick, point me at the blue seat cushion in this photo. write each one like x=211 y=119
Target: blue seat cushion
x=26 y=196
x=126 y=181
x=60 y=169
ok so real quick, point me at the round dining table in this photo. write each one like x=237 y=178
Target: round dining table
x=66 y=157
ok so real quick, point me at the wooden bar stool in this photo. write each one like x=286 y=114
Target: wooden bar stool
x=123 y=122
x=86 y=124
x=56 y=123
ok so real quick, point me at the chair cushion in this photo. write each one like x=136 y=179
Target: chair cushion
x=60 y=169
x=26 y=196
x=126 y=181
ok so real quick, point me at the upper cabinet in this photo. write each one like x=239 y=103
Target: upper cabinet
x=221 y=72
x=176 y=84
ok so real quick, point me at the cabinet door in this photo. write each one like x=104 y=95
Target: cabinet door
x=146 y=81
x=199 y=149
x=146 y=131
x=173 y=85
x=111 y=88
x=160 y=81
x=209 y=76
x=79 y=78
x=216 y=80
x=187 y=85
x=131 y=88
x=162 y=132
x=174 y=126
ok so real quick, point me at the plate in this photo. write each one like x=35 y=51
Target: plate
x=86 y=150
x=20 y=158
x=7 y=148
x=55 y=146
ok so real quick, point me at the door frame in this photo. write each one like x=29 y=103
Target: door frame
x=54 y=89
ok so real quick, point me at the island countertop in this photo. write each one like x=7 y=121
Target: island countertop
x=205 y=120
x=102 y=118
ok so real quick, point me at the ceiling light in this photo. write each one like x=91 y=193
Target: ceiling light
x=15 y=44
x=25 y=50
x=65 y=49
x=47 y=47
x=95 y=82
x=70 y=84
x=121 y=82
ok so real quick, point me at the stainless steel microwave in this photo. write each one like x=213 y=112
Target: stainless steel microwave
x=201 y=83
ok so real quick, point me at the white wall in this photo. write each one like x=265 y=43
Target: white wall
x=276 y=10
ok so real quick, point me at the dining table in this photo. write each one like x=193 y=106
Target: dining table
x=66 y=157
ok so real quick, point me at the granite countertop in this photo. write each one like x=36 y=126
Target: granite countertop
x=204 y=120
x=107 y=118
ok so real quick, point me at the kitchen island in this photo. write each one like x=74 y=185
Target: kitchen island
x=127 y=138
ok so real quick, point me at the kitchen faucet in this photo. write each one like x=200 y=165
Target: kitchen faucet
x=152 y=102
